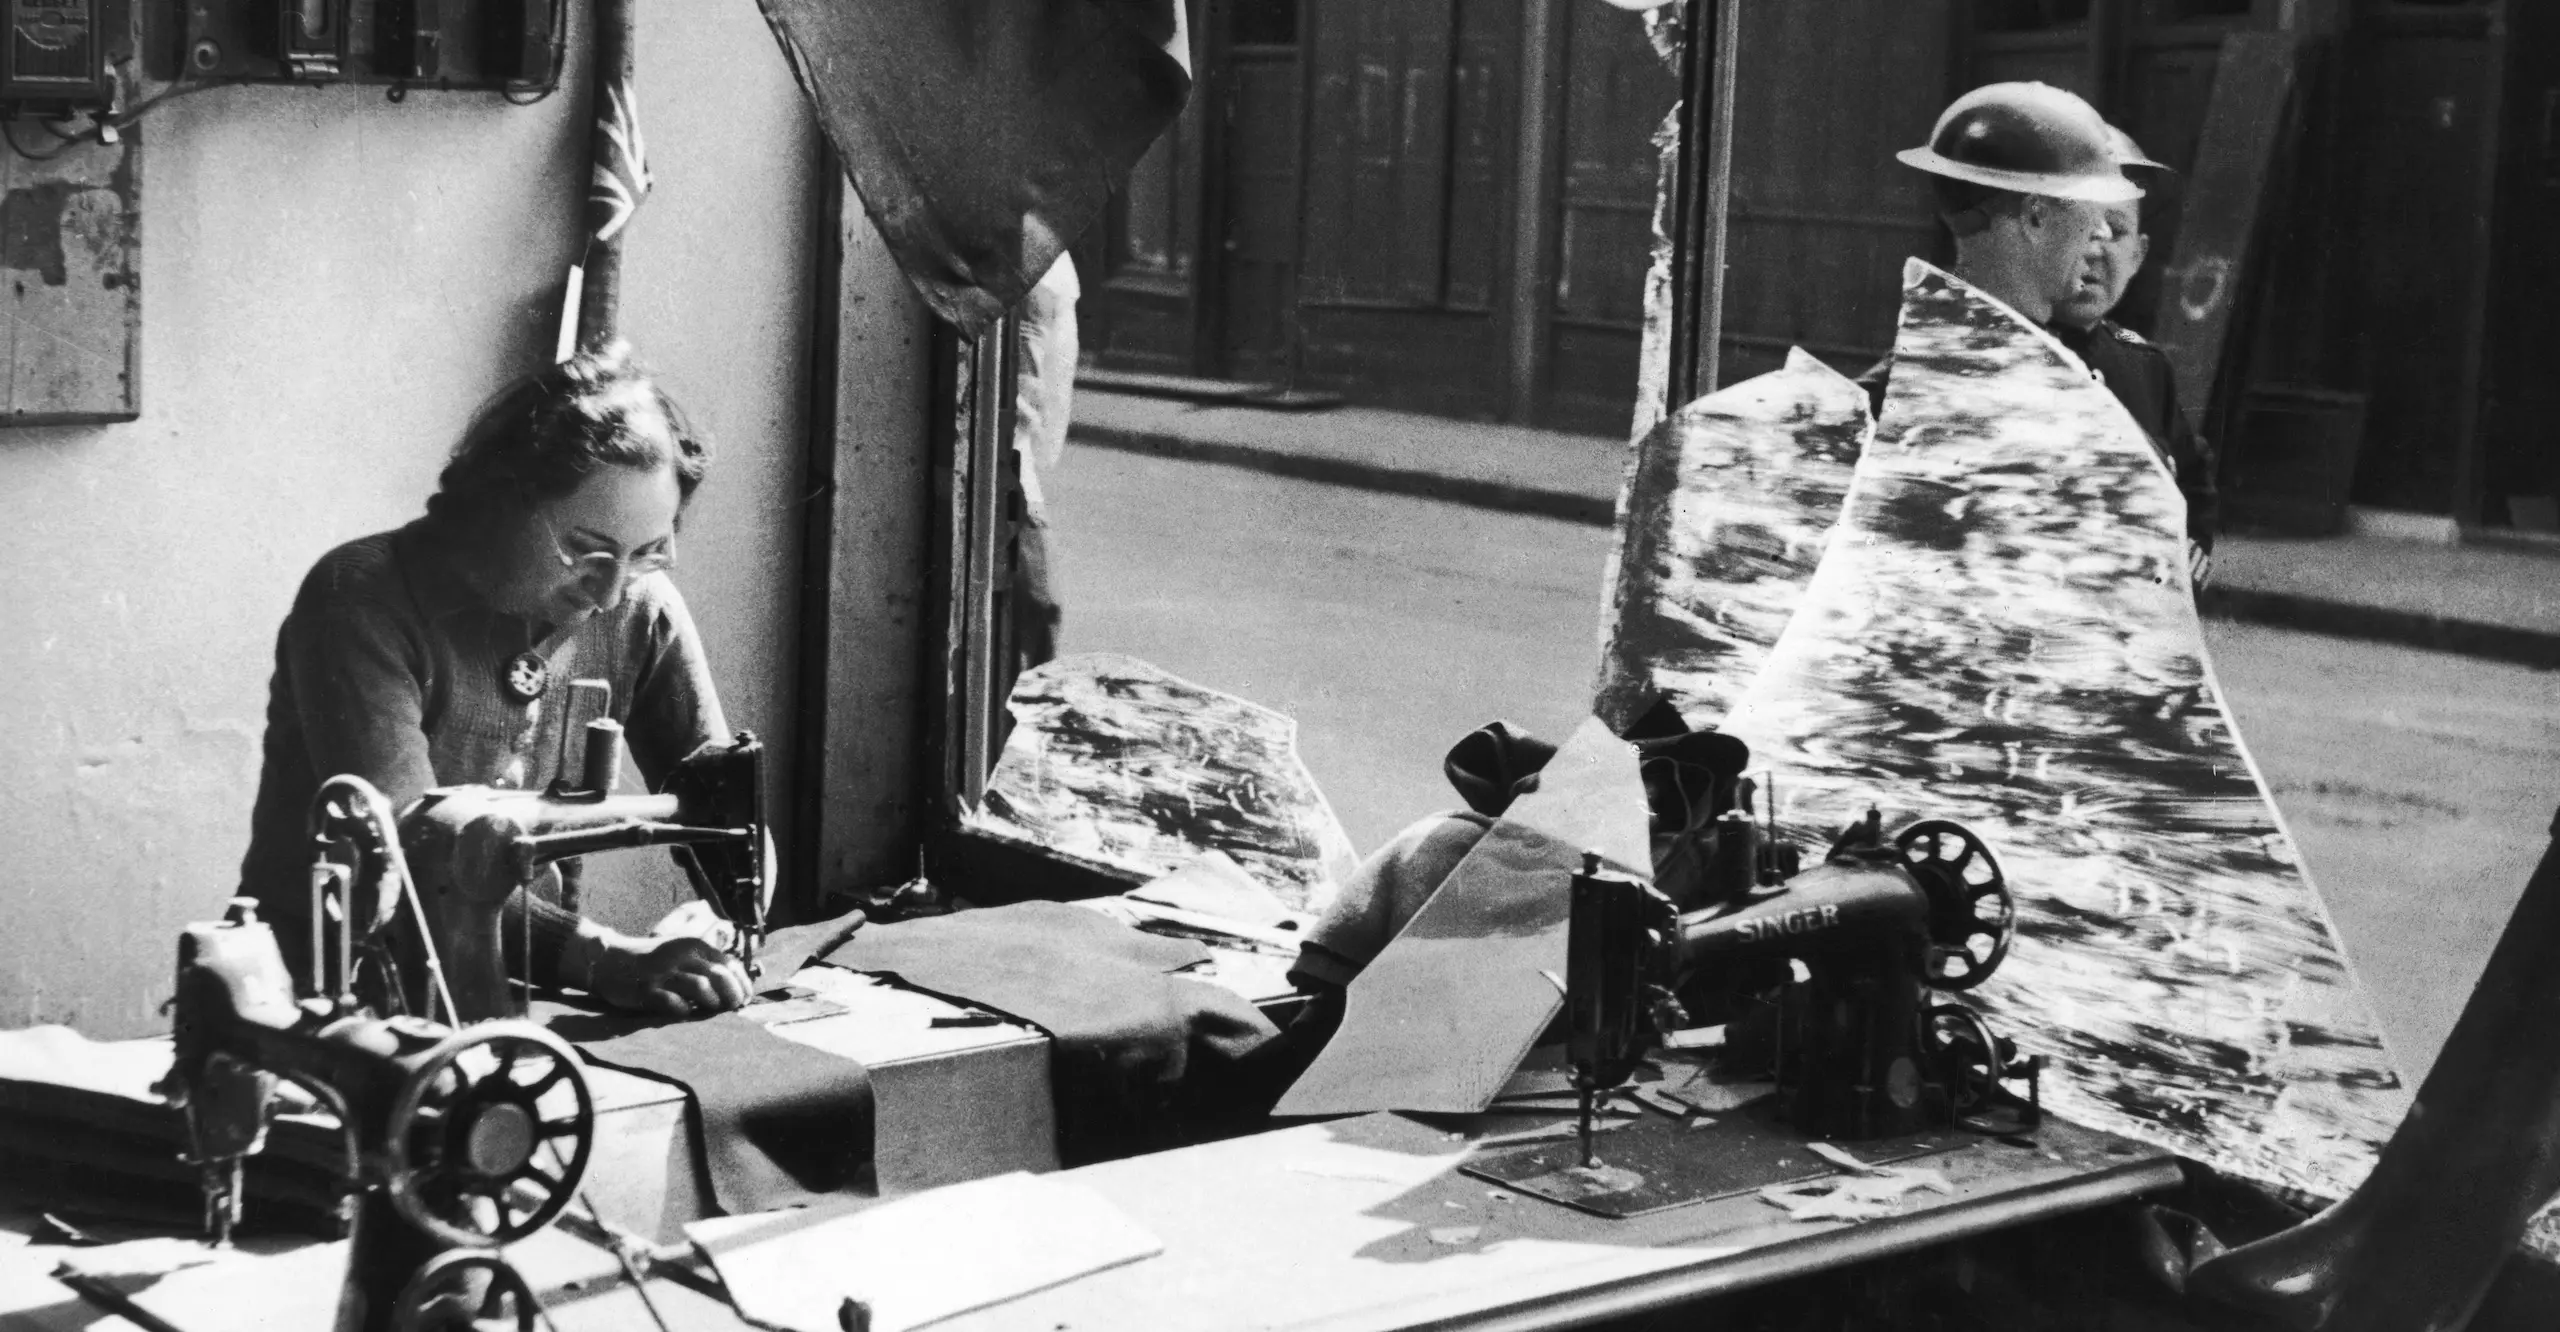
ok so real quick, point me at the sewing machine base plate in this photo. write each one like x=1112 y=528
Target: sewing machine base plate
x=1656 y=1165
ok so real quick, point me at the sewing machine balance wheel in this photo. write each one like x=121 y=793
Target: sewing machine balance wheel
x=449 y=1293
x=1971 y=914
x=1968 y=1056
x=490 y=1135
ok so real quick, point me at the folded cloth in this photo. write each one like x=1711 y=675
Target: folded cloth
x=1494 y=763
x=1385 y=892
x=1132 y=1047
x=776 y=1122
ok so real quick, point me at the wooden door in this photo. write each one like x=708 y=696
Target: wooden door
x=1259 y=119
x=1144 y=307
x=1822 y=216
x=2519 y=444
x=1378 y=157
x=2423 y=116
x=1617 y=91
x=1408 y=192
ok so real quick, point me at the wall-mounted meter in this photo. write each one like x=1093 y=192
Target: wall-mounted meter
x=505 y=44
x=60 y=53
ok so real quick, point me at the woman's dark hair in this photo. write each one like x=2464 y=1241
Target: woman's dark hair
x=542 y=435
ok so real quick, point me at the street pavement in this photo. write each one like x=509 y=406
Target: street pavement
x=2420 y=785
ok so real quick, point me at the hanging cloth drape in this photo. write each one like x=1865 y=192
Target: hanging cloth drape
x=984 y=136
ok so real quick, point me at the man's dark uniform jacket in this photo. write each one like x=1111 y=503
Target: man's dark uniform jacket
x=2139 y=375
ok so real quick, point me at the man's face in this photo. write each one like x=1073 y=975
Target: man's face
x=2119 y=256
x=2065 y=238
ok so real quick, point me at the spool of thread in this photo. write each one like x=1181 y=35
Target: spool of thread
x=603 y=768
x=1735 y=867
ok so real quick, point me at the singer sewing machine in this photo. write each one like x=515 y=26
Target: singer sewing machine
x=460 y=1135
x=470 y=848
x=456 y=1141
x=1822 y=980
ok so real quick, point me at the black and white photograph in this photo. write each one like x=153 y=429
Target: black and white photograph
x=1280 y=665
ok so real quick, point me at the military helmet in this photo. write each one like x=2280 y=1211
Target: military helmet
x=2032 y=138
x=2128 y=153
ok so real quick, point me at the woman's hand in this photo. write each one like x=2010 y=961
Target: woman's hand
x=679 y=977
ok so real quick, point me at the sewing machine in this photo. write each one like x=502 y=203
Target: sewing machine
x=1821 y=978
x=470 y=848
x=456 y=1141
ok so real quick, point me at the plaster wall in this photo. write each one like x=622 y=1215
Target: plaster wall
x=331 y=283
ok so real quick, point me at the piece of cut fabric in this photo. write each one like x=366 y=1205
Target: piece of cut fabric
x=787 y=950
x=776 y=1123
x=1444 y=1014
x=1689 y=779
x=1388 y=889
x=1134 y=1047
x=985 y=136
x=1215 y=885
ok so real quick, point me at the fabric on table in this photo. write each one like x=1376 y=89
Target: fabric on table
x=786 y=951
x=1215 y=885
x=1688 y=778
x=1441 y=1017
x=1385 y=892
x=776 y=1122
x=1133 y=1048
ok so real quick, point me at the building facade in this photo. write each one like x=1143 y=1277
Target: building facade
x=1446 y=205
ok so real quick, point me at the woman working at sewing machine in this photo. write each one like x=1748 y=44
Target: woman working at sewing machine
x=438 y=654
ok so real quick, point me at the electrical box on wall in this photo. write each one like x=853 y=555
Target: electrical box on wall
x=60 y=54
x=509 y=45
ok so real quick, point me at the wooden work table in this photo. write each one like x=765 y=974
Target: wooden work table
x=1346 y=1226
x=1365 y=1224
x=1354 y=1224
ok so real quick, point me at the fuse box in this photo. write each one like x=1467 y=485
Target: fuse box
x=61 y=53
x=510 y=45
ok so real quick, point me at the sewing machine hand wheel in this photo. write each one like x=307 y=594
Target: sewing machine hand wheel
x=468 y=1140
x=1969 y=902
x=447 y=1295
x=1968 y=1057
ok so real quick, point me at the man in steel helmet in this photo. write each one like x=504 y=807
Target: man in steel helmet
x=2032 y=184
x=2138 y=372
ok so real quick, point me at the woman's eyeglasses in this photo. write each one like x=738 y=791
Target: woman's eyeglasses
x=603 y=564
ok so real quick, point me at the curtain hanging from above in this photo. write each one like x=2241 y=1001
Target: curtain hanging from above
x=984 y=136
